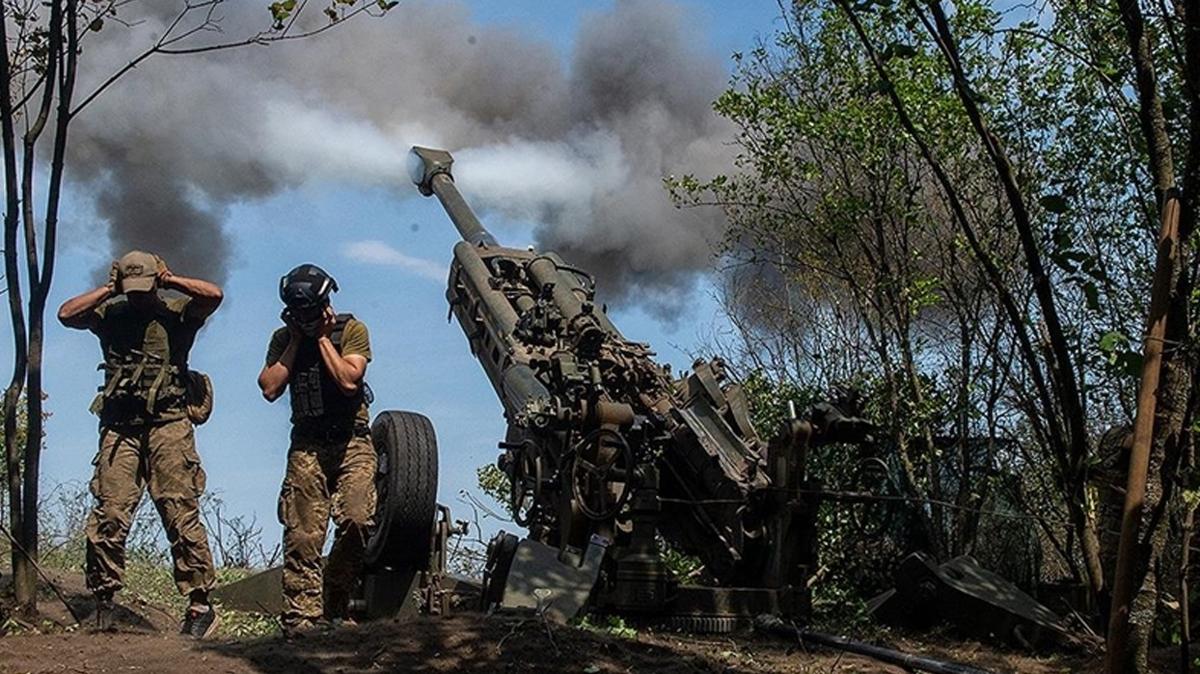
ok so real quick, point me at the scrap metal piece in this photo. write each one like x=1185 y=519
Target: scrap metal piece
x=970 y=597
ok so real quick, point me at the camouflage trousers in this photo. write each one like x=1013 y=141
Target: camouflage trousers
x=164 y=458
x=325 y=478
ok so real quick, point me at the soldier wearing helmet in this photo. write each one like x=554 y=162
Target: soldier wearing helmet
x=321 y=357
x=146 y=409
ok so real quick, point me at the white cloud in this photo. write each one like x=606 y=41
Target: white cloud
x=380 y=253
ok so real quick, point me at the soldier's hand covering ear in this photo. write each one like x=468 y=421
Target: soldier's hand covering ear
x=294 y=331
x=114 y=277
x=328 y=322
x=161 y=269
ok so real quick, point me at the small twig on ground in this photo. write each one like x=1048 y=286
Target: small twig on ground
x=543 y=604
x=521 y=623
x=549 y=633
x=515 y=627
x=1086 y=627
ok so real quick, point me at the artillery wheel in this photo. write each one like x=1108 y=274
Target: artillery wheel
x=406 y=487
x=601 y=468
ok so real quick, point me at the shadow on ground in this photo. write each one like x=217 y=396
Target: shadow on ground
x=130 y=614
x=461 y=644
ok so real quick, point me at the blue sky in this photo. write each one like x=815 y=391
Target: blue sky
x=421 y=361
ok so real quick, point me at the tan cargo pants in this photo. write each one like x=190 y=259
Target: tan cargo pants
x=130 y=458
x=325 y=478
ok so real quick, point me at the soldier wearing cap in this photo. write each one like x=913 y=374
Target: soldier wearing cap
x=321 y=358
x=146 y=425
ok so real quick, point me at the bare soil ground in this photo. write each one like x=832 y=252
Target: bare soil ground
x=467 y=643
x=464 y=642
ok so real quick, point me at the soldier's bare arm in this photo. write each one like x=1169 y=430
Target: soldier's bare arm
x=274 y=376
x=77 y=311
x=206 y=296
x=348 y=371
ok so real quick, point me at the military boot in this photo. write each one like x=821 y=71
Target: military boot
x=200 y=621
x=103 y=620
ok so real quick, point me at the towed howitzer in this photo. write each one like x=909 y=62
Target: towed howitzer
x=605 y=446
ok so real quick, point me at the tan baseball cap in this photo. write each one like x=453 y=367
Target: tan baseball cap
x=138 y=271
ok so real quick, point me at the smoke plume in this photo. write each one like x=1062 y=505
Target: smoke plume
x=579 y=147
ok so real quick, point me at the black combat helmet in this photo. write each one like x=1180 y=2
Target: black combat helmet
x=306 y=287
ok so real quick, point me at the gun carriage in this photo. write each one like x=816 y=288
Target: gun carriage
x=606 y=449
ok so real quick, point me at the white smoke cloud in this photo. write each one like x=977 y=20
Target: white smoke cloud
x=557 y=180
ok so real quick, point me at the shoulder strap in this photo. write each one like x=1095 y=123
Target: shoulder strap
x=339 y=329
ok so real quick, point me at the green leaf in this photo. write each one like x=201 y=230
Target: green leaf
x=278 y=13
x=1113 y=340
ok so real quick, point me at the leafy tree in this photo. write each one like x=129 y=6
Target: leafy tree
x=957 y=205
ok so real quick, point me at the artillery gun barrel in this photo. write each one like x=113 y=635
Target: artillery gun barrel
x=430 y=172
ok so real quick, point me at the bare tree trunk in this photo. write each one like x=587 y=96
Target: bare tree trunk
x=24 y=580
x=28 y=532
x=1164 y=435
x=40 y=281
x=1191 y=186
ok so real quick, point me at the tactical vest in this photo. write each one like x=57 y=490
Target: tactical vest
x=145 y=360
x=315 y=394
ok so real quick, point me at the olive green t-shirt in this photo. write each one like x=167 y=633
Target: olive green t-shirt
x=356 y=341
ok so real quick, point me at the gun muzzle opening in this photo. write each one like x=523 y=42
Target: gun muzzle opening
x=424 y=163
x=429 y=170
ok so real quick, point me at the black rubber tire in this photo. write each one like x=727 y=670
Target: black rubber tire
x=406 y=483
